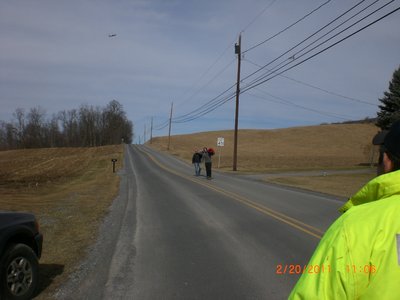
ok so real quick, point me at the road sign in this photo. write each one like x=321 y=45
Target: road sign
x=220 y=143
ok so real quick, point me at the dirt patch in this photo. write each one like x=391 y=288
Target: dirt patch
x=69 y=190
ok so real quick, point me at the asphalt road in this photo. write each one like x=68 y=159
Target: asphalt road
x=172 y=235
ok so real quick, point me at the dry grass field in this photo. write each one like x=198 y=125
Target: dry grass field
x=297 y=148
x=324 y=147
x=69 y=190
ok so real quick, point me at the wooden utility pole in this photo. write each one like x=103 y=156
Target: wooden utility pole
x=238 y=51
x=151 y=131
x=169 y=130
x=144 y=134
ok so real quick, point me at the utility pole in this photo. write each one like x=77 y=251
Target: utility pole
x=169 y=130
x=151 y=131
x=144 y=134
x=238 y=51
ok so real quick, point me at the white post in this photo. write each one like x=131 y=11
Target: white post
x=220 y=144
x=219 y=155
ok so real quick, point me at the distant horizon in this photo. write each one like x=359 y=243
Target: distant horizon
x=362 y=121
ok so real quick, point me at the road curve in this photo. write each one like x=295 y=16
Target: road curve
x=172 y=235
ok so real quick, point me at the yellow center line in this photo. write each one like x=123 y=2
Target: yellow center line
x=313 y=231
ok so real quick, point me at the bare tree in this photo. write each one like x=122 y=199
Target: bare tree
x=117 y=126
x=35 y=128
x=3 y=136
x=53 y=137
x=70 y=127
x=19 y=116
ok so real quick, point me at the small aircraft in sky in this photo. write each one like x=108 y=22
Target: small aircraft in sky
x=112 y=35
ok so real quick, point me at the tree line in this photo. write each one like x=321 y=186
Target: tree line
x=87 y=126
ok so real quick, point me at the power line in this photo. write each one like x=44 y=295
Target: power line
x=218 y=101
x=211 y=80
x=265 y=77
x=228 y=47
x=205 y=105
x=202 y=110
x=208 y=69
x=206 y=110
x=250 y=86
x=306 y=39
x=290 y=103
x=288 y=27
x=260 y=14
x=162 y=125
x=210 y=105
x=318 y=88
x=215 y=103
x=166 y=123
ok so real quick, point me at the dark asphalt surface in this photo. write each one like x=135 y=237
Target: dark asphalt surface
x=172 y=235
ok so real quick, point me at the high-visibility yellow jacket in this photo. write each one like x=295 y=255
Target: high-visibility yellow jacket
x=359 y=255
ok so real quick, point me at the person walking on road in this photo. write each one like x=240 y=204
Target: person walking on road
x=359 y=255
x=206 y=157
x=196 y=160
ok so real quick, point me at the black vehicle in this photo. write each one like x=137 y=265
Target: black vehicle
x=20 y=251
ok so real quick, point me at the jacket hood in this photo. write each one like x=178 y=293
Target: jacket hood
x=378 y=188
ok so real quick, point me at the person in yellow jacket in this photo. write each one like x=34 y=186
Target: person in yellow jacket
x=359 y=255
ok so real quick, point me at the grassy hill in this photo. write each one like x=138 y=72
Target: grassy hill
x=298 y=148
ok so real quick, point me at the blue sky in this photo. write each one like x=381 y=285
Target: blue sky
x=58 y=55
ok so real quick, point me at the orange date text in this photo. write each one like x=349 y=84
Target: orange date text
x=293 y=269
